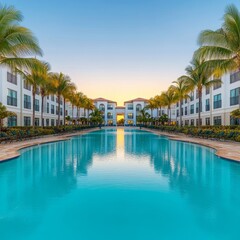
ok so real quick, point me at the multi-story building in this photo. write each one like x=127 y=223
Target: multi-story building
x=16 y=95
x=108 y=109
x=218 y=102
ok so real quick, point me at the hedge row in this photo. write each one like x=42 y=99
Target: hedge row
x=212 y=132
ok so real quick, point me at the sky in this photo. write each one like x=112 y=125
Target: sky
x=120 y=49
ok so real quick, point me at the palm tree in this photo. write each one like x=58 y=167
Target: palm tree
x=96 y=116
x=17 y=42
x=159 y=103
x=236 y=114
x=169 y=98
x=67 y=94
x=144 y=116
x=181 y=90
x=198 y=76
x=36 y=76
x=221 y=48
x=60 y=83
x=4 y=114
x=89 y=105
x=151 y=105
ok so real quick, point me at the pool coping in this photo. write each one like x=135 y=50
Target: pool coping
x=11 y=151
x=225 y=149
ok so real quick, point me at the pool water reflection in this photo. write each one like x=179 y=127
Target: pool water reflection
x=119 y=184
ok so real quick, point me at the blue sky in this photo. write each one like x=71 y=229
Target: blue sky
x=120 y=49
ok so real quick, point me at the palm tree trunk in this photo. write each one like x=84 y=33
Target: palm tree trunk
x=33 y=109
x=58 y=111
x=180 y=112
x=200 y=107
x=64 y=110
x=42 y=120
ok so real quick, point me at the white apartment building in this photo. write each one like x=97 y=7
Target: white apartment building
x=16 y=95
x=217 y=103
x=108 y=109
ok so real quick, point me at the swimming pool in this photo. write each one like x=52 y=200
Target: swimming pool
x=119 y=184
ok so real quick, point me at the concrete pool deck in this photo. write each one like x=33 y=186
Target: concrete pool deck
x=9 y=151
x=225 y=149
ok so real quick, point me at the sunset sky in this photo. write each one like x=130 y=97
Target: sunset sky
x=120 y=49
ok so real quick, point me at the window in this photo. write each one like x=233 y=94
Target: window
x=61 y=111
x=192 y=109
x=207 y=121
x=234 y=121
x=37 y=105
x=27 y=85
x=56 y=110
x=52 y=97
x=138 y=107
x=27 y=101
x=200 y=122
x=197 y=94
x=217 y=120
x=177 y=113
x=186 y=122
x=186 y=112
x=130 y=116
x=12 y=98
x=47 y=122
x=110 y=107
x=217 y=85
x=192 y=122
x=110 y=115
x=61 y=122
x=235 y=77
x=207 y=90
x=12 y=78
x=197 y=107
x=130 y=106
x=207 y=105
x=102 y=108
x=191 y=96
x=47 y=107
x=177 y=104
x=37 y=121
x=217 y=101
x=52 y=109
x=12 y=121
x=27 y=121
x=234 y=96
x=52 y=122
x=185 y=100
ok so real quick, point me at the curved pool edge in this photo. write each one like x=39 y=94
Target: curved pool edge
x=11 y=151
x=226 y=150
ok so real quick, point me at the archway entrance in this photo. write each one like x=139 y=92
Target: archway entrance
x=120 y=120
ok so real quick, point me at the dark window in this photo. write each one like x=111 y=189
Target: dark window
x=12 y=98
x=12 y=121
x=37 y=105
x=217 y=85
x=217 y=120
x=130 y=116
x=12 y=78
x=207 y=121
x=61 y=111
x=27 y=121
x=192 y=109
x=234 y=96
x=130 y=106
x=207 y=90
x=186 y=112
x=47 y=122
x=235 y=77
x=217 y=101
x=52 y=122
x=191 y=96
x=234 y=121
x=27 y=102
x=207 y=106
x=200 y=122
x=27 y=85
x=37 y=121
x=177 y=113
x=52 y=97
x=52 y=109
x=186 y=122
x=47 y=107
x=192 y=122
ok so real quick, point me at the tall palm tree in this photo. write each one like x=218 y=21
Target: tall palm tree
x=169 y=98
x=36 y=76
x=159 y=104
x=181 y=90
x=67 y=94
x=60 y=83
x=16 y=41
x=89 y=105
x=151 y=105
x=197 y=76
x=221 y=48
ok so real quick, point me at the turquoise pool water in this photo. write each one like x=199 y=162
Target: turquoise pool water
x=119 y=185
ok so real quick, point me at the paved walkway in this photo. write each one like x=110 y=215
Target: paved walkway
x=225 y=149
x=11 y=150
